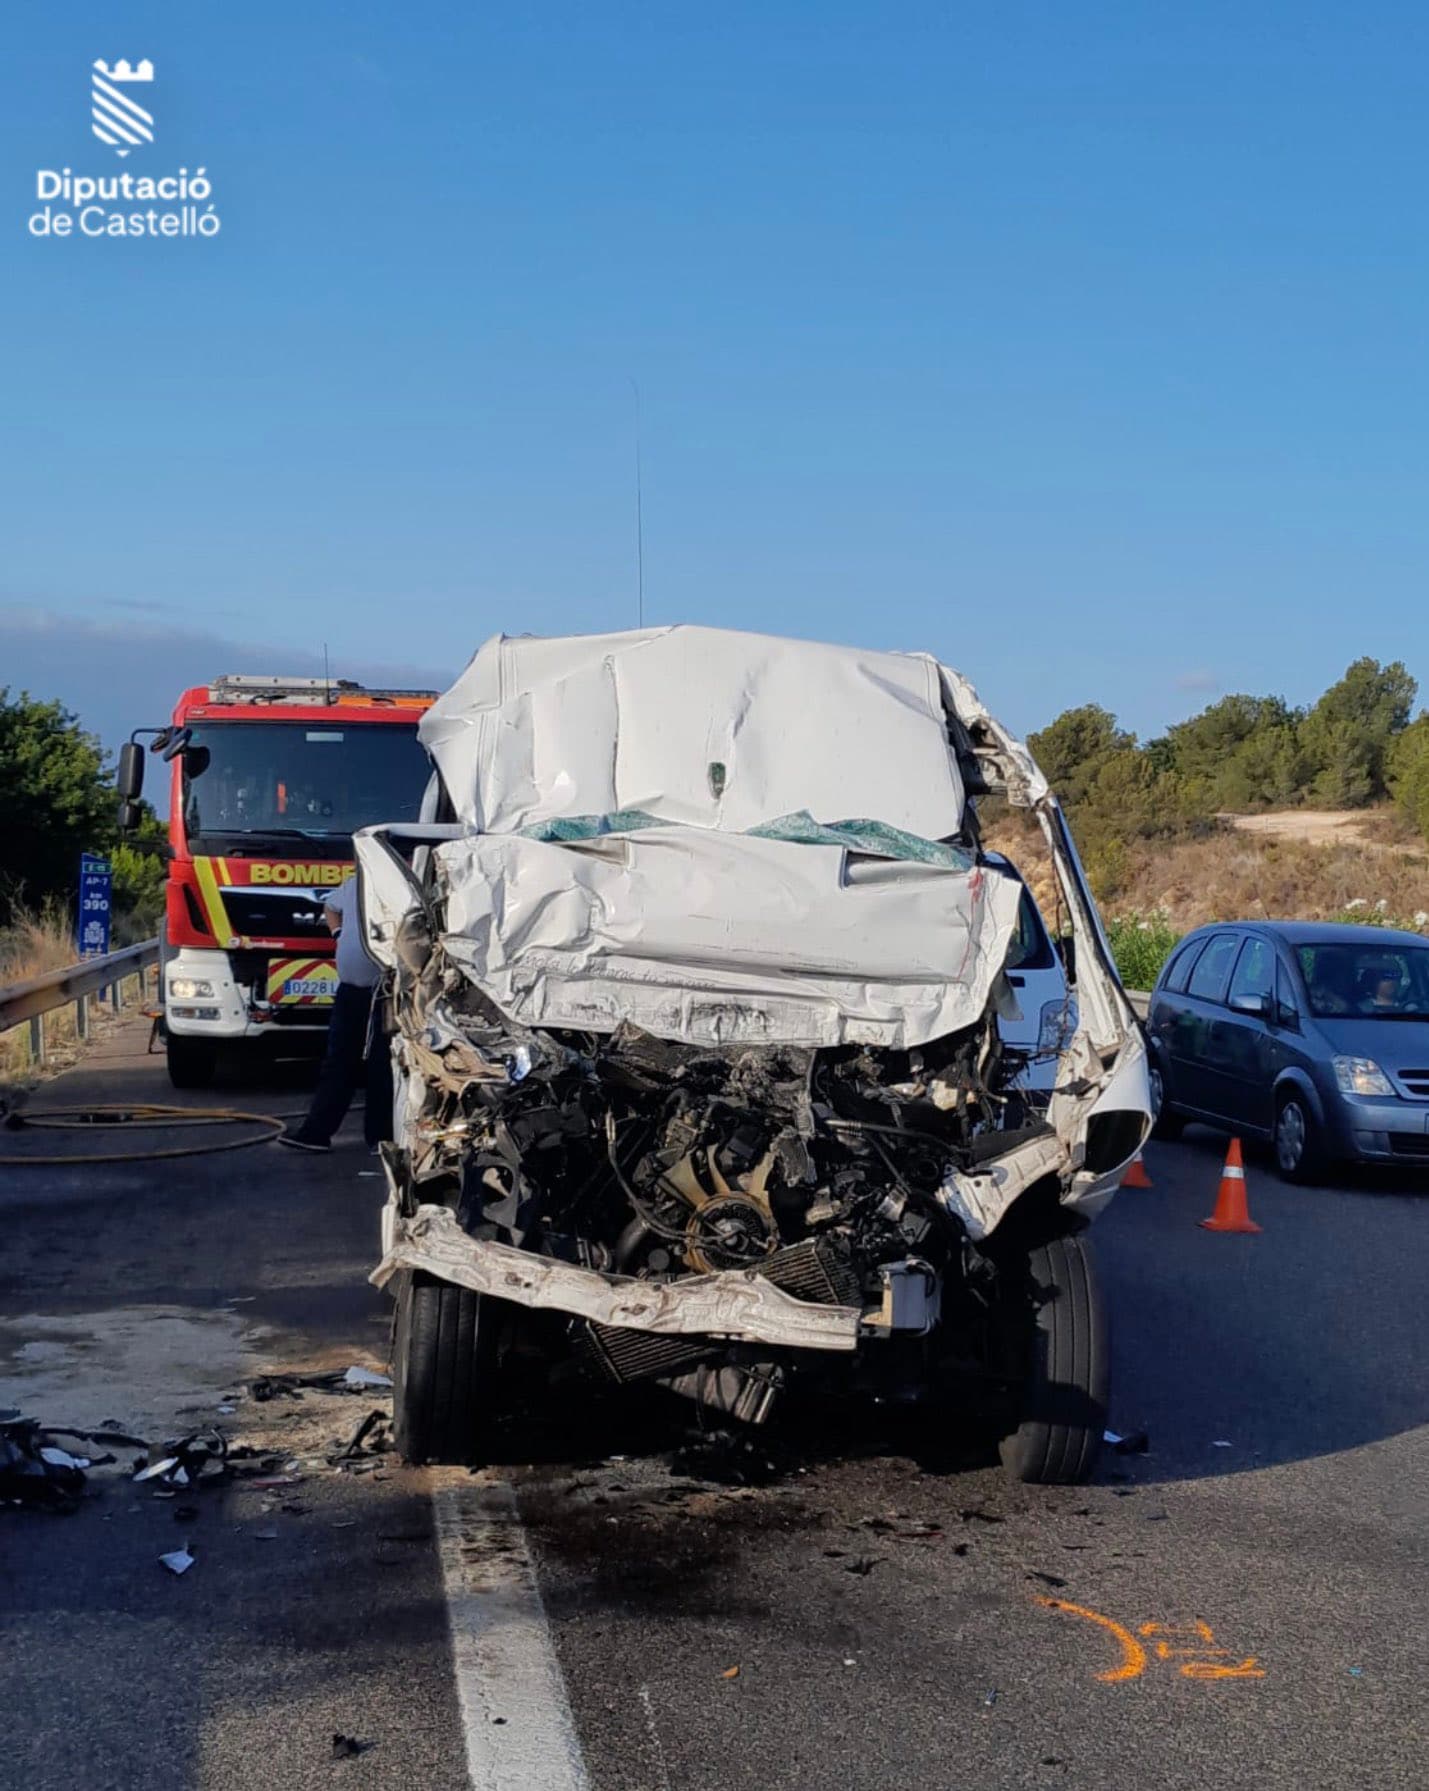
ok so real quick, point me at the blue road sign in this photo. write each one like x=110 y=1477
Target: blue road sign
x=95 y=900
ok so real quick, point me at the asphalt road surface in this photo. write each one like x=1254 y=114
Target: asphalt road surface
x=837 y=1603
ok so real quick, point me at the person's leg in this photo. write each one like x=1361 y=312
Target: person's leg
x=377 y=1116
x=342 y=1061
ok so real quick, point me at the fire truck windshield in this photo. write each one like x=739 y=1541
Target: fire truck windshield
x=300 y=780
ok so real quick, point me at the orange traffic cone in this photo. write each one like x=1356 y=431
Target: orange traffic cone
x=1231 y=1212
x=1136 y=1176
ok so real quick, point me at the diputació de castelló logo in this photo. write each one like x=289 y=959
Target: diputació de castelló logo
x=119 y=119
x=99 y=205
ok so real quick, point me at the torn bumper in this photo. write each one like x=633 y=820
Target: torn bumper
x=734 y=1305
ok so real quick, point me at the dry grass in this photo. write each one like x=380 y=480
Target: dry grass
x=1236 y=876
x=29 y=946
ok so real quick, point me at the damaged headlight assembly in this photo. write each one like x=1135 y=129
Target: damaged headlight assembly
x=699 y=1078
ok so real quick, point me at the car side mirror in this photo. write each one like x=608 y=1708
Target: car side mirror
x=1259 y=1005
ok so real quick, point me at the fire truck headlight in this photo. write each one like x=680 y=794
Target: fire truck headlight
x=190 y=988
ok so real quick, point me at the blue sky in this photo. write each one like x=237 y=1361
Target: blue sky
x=1083 y=346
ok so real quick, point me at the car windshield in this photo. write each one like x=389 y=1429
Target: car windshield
x=1385 y=982
x=301 y=780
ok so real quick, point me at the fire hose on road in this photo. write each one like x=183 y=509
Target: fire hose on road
x=139 y=1116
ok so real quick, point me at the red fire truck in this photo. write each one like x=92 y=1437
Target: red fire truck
x=269 y=779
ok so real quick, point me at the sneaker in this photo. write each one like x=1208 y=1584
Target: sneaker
x=294 y=1142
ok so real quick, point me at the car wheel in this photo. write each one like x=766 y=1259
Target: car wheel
x=442 y=1363
x=1066 y=1369
x=191 y=1062
x=1166 y=1122
x=1297 y=1146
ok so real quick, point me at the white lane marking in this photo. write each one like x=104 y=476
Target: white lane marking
x=656 y=1744
x=516 y=1719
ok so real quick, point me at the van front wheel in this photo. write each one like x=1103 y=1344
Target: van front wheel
x=1065 y=1368
x=442 y=1363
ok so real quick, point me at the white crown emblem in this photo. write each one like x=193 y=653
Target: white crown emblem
x=119 y=120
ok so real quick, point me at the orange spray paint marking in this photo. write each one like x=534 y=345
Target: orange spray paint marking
x=1206 y=1669
x=1133 y=1655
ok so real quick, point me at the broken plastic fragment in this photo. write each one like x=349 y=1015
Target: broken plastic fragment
x=155 y=1468
x=730 y=1673
x=61 y=1458
x=179 y=1561
x=357 y=1376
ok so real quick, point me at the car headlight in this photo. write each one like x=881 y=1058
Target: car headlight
x=1058 y=1023
x=1361 y=1076
x=190 y=988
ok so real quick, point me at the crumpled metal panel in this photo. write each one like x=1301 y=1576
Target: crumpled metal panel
x=736 y=1303
x=699 y=727
x=718 y=939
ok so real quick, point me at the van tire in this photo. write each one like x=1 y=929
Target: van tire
x=442 y=1363
x=191 y=1062
x=1066 y=1369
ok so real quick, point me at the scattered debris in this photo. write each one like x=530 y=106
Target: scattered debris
x=990 y=1699
x=865 y=1565
x=372 y=1437
x=283 y=1385
x=976 y=1514
x=347 y=1747
x=202 y=1456
x=179 y=1561
x=265 y=1535
x=1135 y=1442
x=358 y=1376
x=1222 y=1443
x=61 y=1458
x=36 y=1473
x=730 y=1673
x=1047 y=1579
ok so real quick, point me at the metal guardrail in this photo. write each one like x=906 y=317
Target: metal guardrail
x=76 y=984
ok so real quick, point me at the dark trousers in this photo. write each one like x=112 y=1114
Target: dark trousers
x=342 y=1068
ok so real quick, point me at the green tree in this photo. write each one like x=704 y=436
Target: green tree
x=1409 y=772
x=55 y=800
x=1072 y=749
x=1348 y=734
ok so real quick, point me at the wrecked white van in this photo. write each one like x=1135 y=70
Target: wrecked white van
x=695 y=982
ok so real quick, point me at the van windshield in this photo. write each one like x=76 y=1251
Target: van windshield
x=1373 y=982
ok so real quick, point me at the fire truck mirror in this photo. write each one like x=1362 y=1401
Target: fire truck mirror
x=130 y=815
x=129 y=779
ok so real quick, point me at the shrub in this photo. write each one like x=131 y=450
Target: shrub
x=1141 y=944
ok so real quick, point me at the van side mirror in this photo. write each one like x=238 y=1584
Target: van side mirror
x=129 y=779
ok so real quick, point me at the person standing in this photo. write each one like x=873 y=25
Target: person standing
x=350 y=1038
